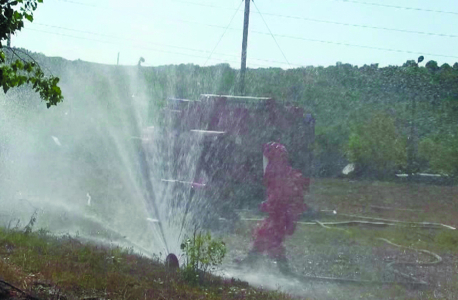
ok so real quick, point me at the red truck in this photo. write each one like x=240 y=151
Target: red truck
x=212 y=147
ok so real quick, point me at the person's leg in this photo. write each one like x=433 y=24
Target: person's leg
x=260 y=243
x=283 y=265
x=277 y=252
x=252 y=258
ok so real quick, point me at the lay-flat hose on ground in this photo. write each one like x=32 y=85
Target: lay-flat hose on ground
x=410 y=277
x=426 y=224
x=380 y=222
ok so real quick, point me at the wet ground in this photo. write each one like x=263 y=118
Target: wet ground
x=357 y=254
x=352 y=269
x=355 y=262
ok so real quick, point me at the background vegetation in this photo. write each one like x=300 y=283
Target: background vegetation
x=404 y=115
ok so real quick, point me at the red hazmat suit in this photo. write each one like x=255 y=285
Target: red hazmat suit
x=286 y=188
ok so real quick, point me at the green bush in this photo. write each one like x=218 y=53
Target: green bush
x=376 y=145
x=440 y=154
x=202 y=254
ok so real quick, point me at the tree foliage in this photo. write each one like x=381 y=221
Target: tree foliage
x=375 y=146
x=441 y=155
x=23 y=71
x=340 y=98
x=421 y=96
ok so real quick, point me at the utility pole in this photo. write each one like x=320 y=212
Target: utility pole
x=411 y=150
x=9 y=40
x=412 y=141
x=246 y=21
x=118 y=59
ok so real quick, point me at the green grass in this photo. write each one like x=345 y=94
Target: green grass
x=46 y=266
x=354 y=252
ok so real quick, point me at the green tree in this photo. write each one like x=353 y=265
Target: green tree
x=22 y=71
x=376 y=146
x=441 y=154
x=432 y=66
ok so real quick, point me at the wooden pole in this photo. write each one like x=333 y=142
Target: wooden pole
x=246 y=22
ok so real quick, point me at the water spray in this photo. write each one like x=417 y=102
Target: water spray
x=146 y=178
x=196 y=174
x=150 y=193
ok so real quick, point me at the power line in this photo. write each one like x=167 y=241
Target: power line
x=400 y=7
x=328 y=22
x=159 y=44
x=329 y=42
x=136 y=47
x=76 y=30
x=351 y=1
x=362 y=46
x=224 y=32
x=363 y=26
x=72 y=36
x=123 y=38
x=311 y=40
x=284 y=56
x=202 y=4
x=77 y=2
x=277 y=35
x=291 y=17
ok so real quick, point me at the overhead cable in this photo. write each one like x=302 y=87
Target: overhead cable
x=153 y=43
x=136 y=47
x=350 y=1
x=284 y=56
x=363 y=46
x=290 y=17
x=224 y=32
x=400 y=7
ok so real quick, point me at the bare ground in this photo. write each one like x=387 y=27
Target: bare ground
x=355 y=252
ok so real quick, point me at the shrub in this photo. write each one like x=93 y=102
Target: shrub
x=376 y=145
x=441 y=154
x=202 y=255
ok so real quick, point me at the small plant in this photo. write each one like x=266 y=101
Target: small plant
x=202 y=255
x=28 y=228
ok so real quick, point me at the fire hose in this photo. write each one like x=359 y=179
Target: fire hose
x=411 y=280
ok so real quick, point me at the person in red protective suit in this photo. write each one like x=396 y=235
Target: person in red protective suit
x=286 y=188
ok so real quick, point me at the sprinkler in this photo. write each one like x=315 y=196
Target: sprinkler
x=171 y=262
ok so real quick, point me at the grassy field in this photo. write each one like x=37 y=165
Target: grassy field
x=65 y=268
x=357 y=253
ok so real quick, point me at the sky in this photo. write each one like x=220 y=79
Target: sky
x=286 y=34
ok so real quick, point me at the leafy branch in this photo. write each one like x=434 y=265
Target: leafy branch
x=20 y=72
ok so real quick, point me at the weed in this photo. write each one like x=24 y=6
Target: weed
x=28 y=228
x=58 y=267
x=202 y=253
